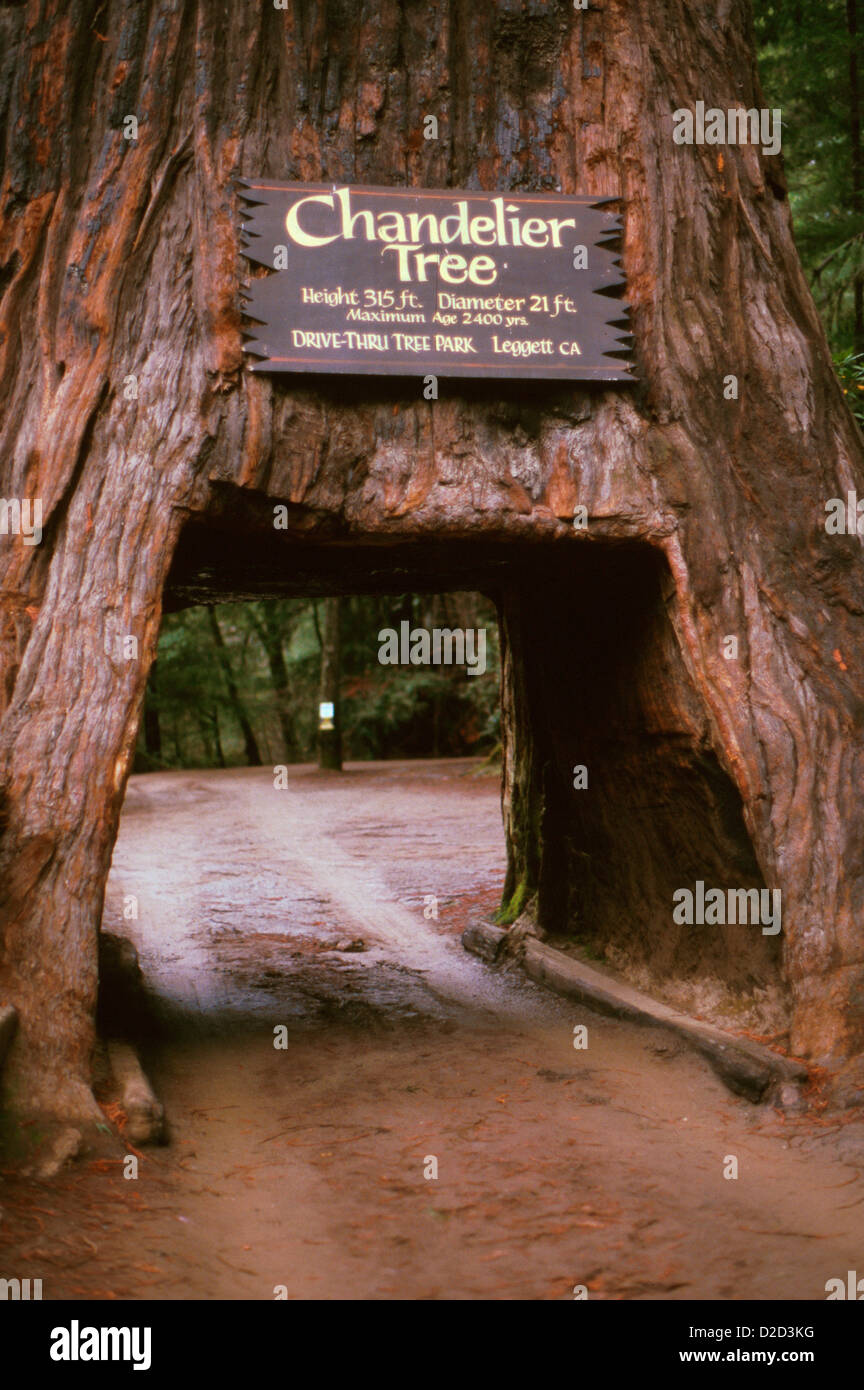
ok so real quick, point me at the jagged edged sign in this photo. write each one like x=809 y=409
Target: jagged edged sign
x=446 y=282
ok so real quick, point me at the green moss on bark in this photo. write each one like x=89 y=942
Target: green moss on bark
x=512 y=908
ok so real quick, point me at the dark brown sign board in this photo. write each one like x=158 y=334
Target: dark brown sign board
x=449 y=282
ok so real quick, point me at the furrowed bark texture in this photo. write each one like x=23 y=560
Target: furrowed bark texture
x=120 y=259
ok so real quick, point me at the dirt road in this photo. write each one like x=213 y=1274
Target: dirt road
x=308 y=1169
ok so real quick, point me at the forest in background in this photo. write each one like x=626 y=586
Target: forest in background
x=812 y=68
x=239 y=684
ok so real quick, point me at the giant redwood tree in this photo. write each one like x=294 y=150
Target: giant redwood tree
x=128 y=411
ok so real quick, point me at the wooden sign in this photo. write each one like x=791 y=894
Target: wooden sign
x=408 y=281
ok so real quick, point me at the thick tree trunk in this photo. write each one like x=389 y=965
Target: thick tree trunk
x=330 y=730
x=213 y=716
x=152 y=724
x=250 y=742
x=270 y=634
x=125 y=408
x=149 y=756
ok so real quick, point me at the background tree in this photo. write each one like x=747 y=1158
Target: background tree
x=253 y=756
x=330 y=725
x=272 y=634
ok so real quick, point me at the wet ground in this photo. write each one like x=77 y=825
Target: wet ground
x=428 y=1129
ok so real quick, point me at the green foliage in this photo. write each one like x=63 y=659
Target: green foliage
x=850 y=370
x=805 y=56
x=387 y=711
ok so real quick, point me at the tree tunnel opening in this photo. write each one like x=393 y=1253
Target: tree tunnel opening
x=612 y=793
x=281 y=865
x=620 y=801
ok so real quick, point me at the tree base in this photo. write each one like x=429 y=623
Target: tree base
x=39 y=1145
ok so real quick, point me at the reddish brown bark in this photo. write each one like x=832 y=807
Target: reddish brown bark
x=120 y=258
